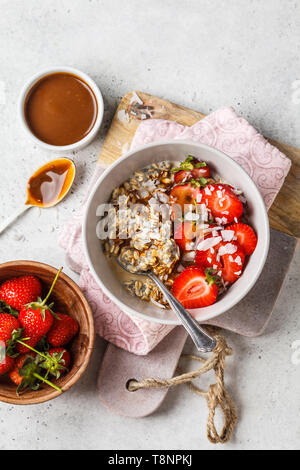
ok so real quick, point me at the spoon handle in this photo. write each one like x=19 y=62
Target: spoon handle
x=13 y=217
x=203 y=341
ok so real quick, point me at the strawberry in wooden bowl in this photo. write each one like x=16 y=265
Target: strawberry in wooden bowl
x=46 y=332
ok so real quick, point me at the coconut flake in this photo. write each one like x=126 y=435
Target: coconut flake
x=227 y=235
x=221 y=221
x=204 y=212
x=228 y=249
x=208 y=243
x=162 y=197
x=238 y=260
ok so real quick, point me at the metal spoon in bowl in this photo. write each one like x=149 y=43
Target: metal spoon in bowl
x=203 y=341
x=46 y=187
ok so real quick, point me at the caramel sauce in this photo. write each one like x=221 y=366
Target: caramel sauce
x=50 y=183
x=60 y=109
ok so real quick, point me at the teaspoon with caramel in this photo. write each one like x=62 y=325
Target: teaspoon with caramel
x=46 y=187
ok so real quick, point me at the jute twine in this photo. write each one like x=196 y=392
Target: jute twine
x=216 y=395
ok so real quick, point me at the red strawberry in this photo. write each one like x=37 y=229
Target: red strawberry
x=203 y=172
x=6 y=364
x=65 y=358
x=36 y=323
x=207 y=257
x=14 y=374
x=245 y=236
x=63 y=330
x=227 y=257
x=20 y=291
x=185 y=176
x=8 y=324
x=232 y=262
x=184 y=235
x=36 y=319
x=225 y=206
x=195 y=288
x=182 y=175
x=184 y=194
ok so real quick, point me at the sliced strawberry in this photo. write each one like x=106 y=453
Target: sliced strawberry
x=182 y=175
x=232 y=258
x=190 y=168
x=184 y=194
x=245 y=236
x=184 y=236
x=208 y=257
x=225 y=206
x=194 y=288
x=203 y=172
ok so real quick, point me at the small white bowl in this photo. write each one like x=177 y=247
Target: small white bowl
x=175 y=151
x=91 y=135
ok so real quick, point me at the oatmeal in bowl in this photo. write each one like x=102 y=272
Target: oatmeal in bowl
x=167 y=218
x=185 y=212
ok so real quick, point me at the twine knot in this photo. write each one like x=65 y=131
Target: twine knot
x=216 y=395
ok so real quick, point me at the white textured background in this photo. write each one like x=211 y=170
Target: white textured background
x=199 y=53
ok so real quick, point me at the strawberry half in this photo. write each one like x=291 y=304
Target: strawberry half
x=203 y=172
x=245 y=236
x=182 y=175
x=20 y=291
x=224 y=205
x=225 y=257
x=232 y=258
x=207 y=257
x=184 y=194
x=190 y=168
x=195 y=288
x=184 y=236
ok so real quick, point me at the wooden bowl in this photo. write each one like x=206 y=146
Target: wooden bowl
x=68 y=299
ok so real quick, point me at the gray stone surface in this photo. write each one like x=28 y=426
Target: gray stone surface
x=202 y=54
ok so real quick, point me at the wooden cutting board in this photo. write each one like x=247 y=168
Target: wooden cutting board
x=248 y=318
x=285 y=212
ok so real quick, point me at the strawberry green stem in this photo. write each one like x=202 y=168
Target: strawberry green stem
x=52 y=287
x=32 y=349
x=38 y=376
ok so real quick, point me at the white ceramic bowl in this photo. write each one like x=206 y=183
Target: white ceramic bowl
x=91 y=135
x=122 y=169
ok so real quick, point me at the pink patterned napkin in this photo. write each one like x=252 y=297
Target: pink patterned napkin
x=224 y=130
